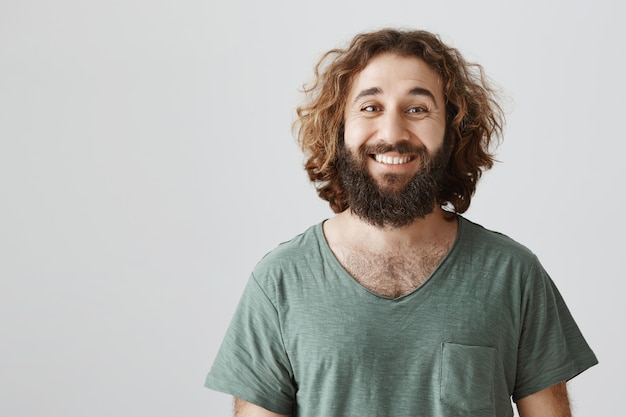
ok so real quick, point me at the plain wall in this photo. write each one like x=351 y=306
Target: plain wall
x=147 y=163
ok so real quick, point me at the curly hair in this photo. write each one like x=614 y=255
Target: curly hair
x=473 y=116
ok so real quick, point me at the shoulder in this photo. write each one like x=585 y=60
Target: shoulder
x=305 y=245
x=481 y=240
x=293 y=259
x=496 y=256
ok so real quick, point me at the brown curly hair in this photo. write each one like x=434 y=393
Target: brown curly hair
x=473 y=115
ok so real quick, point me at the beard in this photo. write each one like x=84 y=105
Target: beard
x=395 y=200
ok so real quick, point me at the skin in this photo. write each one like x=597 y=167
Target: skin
x=397 y=99
x=246 y=409
x=394 y=99
x=550 y=402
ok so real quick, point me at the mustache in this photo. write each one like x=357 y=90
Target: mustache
x=401 y=148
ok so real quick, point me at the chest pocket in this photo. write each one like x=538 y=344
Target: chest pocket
x=467 y=374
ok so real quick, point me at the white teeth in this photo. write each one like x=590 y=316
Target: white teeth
x=392 y=160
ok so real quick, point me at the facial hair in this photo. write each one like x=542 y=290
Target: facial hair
x=396 y=200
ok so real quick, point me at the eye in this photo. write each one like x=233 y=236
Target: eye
x=370 y=108
x=417 y=110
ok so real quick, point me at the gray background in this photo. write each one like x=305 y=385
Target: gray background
x=147 y=163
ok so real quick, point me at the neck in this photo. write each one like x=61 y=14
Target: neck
x=435 y=227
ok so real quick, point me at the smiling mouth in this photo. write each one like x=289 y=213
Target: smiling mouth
x=393 y=160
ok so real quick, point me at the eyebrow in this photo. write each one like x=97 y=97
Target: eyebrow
x=417 y=91
x=368 y=92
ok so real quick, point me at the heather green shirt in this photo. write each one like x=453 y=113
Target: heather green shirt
x=487 y=325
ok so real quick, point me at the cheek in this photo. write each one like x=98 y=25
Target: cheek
x=432 y=135
x=356 y=132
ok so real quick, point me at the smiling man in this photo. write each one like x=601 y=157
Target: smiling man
x=398 y=305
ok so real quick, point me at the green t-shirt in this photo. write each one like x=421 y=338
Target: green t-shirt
x=488 y=325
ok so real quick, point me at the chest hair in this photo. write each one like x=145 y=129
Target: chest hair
x=395 y=273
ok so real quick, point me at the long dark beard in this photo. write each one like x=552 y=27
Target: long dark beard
x=396 y=200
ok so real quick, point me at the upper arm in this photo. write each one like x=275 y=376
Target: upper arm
x=246 y=409
x=550 y=402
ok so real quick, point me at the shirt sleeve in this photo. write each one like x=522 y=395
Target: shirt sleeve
x=252 y=363
x=551 y=348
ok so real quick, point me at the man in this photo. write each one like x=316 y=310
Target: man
x=399 y=306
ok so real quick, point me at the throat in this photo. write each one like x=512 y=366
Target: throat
x=390 y=262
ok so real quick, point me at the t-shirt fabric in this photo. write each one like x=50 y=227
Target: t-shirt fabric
x=488 y=325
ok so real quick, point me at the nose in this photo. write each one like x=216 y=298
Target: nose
x=392 y=128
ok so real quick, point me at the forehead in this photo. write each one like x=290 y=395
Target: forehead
x=390 y=71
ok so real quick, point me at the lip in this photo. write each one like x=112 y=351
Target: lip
x=393 y=163
x=387 y=159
